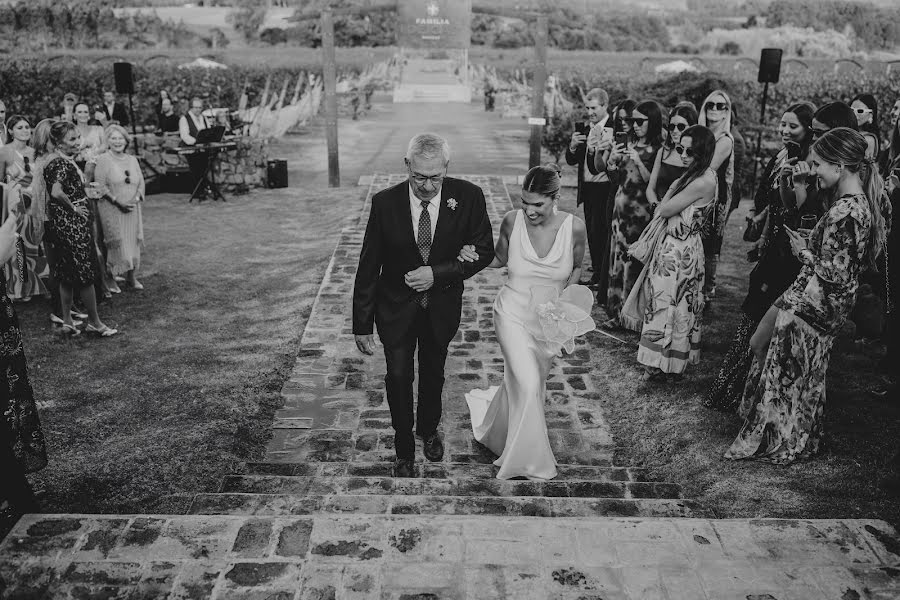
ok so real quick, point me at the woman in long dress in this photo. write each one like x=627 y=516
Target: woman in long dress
x=777 y=268
x=715 y=113
x=537 y=312
x=784 y=400
x=673 y=288
x=669 y=166
x=23 y=273
x=631 y=210
x=120 y=208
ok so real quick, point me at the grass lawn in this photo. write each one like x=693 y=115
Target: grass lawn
x=665 y=427
x=190 y=385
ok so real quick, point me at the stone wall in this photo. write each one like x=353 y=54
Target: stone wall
x=237 y=171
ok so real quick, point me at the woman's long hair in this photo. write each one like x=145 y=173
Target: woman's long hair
x=845 y=146
x=872 y=104
x=703 y=144
x=804 y=112
x=11 y=122
x=654 y=122
x=837 y=114
x=628 y=106
x=40 y=140
x=686 y=111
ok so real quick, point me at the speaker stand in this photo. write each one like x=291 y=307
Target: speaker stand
x=131 y=113
x=762 y=122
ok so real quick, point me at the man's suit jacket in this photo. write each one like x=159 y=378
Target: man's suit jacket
x=119 y=114
x=578 y=158
x=380 y=294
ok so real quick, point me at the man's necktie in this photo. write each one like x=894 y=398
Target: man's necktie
x=424 y=244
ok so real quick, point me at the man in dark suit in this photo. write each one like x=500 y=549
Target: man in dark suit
x=588 y=140
x=410 y=284
x=113 y=111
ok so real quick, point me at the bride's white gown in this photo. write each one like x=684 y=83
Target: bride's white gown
x=509 y=419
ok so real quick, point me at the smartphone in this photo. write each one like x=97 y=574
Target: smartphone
x=793 y=150
x=582 y=128
x=621 y=138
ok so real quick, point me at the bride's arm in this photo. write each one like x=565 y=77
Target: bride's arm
x=501 y=251
x=579 y=239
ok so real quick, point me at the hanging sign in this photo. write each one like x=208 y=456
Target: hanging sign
x=434 y=23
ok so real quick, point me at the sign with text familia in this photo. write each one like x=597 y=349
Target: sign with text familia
x=435 y=23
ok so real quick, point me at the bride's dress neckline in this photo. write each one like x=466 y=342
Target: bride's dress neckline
x=556 y=237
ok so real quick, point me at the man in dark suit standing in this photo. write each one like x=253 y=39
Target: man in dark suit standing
x=588 y=141
x=114 y=111
x=410 y=284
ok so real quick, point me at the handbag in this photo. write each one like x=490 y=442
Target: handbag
x=753 y=230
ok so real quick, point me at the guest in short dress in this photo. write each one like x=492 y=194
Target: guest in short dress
x=631 y=213
x=784 y=400
x=120 y=208
x=70 y=226
x=669 y=166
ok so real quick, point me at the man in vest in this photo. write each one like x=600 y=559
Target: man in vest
x=188 y=127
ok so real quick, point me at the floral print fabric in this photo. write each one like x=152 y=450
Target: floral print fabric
x=784 y=398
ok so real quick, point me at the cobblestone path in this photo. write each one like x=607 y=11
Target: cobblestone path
x=321 y=517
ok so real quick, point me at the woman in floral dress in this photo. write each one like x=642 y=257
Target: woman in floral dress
x=670 y=335
x=631 y=210
x=784 y=399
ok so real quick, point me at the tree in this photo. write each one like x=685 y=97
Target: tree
x=247 y=18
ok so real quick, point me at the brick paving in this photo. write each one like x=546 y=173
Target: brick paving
x=321 y=517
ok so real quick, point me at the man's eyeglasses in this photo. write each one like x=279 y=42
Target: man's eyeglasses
x=682 y=151
x=423 y=179
x=716 y=106
x=678 y=126
x=127 y=178
x=638 y=122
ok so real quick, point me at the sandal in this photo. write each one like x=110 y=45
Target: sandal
x=137 y=285
x=105 y=332
x=71 y=330
x=78 y=314
x=57 y=321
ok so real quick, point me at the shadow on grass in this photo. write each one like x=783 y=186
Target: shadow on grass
x=190 y=387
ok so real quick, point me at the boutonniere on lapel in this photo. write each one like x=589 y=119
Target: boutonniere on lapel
x=452 y=203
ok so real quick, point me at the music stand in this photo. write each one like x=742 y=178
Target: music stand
x=206 y=137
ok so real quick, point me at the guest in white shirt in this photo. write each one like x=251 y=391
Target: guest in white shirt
x=188 y=127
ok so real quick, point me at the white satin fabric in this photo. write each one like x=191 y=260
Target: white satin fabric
x=509 y=419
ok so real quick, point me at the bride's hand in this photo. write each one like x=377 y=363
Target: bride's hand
x=467 y=254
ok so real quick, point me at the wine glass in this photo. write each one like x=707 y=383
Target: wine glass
x=807 y=224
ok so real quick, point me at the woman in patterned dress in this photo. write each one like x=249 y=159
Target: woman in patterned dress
x=670 y=334
x=17 y=171
x=784 y=399
x=631 y=210
x=777 y=267
x=715 y=113
x=70 y=226
x=669 y=166
x=22 y=447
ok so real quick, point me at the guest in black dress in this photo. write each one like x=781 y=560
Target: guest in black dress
x=70 y=227
x=22 y=447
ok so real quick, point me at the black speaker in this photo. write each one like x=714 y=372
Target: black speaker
x=276 y=173
x=124 y=78
x=769 y=65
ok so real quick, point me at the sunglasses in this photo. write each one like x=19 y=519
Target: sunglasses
x=716 y=106
x=27 y=164
x=862 y=111
x=636 y=121
x=682 y=151
x=678 y=126
x=127 y=178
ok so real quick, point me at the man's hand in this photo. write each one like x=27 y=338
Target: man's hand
x=421 y=279
x=467 y=254
x=577 y=138
x=365 y=343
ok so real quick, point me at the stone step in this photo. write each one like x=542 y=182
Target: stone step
x=433 y=556
x=438 y=470
x=414 y=486
x=528 y=506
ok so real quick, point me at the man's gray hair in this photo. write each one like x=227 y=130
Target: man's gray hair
x=598 y=94
x=428 y=145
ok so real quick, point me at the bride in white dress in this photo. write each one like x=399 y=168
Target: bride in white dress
x=538 y=312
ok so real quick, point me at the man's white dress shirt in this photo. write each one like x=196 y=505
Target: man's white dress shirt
x=415 y=206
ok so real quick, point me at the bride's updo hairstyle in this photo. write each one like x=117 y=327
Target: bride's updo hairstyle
x=543 y=180
x=847 y=147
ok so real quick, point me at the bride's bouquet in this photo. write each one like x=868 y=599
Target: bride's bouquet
x=561 y=317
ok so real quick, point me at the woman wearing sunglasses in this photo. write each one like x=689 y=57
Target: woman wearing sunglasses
x=670 y=331
x=23 y=272
x=784 y=399
x=669 y=166
x=631 y=211
x=777 y=268
x=865 y=107
x=120 y=208
x=715 y=113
